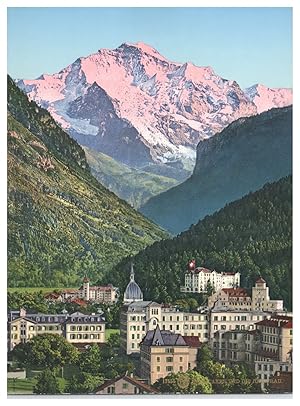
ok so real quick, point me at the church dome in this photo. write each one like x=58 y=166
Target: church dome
x=133 y=292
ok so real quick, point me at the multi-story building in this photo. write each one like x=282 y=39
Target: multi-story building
x=267 y=348
x=76 y=328
x=239 y=299
x=229 y=346
x=230 y=299
x=139 y=316
x=163 y=353
x=197 y=279
x=96 y=294
x=261 y=298
x=275 y=351
x=226 y=320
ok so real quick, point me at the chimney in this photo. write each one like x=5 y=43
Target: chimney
x=22 y=312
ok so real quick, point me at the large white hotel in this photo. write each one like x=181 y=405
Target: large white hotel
x=197 y=279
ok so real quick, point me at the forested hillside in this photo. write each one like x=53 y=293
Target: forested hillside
x=246 y=155
x=252 y=235
x=62 y=223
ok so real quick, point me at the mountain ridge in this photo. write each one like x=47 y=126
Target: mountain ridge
x=162 y=108
x=242 y=158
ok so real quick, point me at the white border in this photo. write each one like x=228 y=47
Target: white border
x=296 y=150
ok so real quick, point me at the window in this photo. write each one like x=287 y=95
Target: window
x=125 y=385
x=169 y=369
x=132 y=345
x=158 y=359
x=132 y=336
x=177 y=327
x=158 y=368
x=169 y=359
x=180 y=359
x=180 y=369
x=171 y=327
x=265 y=367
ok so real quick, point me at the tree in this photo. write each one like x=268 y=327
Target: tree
x=84 y=383
x=47 y=383
x=46 y=350
x=245 y=380
x=204 y=354
x=90 y=360
x=114 y=341
x=221 y=377
x=184 y=382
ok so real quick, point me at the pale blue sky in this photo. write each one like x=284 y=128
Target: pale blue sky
x=249 y=45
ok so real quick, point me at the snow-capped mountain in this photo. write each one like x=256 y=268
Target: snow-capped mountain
x=266 y=98
x=144 y=110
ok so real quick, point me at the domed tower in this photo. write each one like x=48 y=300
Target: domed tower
x=133 y=292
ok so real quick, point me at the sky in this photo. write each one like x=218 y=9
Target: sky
x=249 y=45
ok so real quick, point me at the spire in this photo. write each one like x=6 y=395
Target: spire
x=157 y=337
x=131 y=273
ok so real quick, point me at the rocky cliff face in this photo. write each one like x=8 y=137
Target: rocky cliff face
x=144 y=110
x=242 y=158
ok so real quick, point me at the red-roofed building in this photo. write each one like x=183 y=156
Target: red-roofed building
x=197 y=279
x=240 y=299
x=87 y=293
x=230 y=298
x=276 y=347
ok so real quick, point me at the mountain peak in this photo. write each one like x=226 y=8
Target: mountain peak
x=143 y=47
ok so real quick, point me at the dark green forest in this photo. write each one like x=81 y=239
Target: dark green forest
x=252 y=235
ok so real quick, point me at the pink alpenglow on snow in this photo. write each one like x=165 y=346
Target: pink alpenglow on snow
x=134 y=102
x=266 y=98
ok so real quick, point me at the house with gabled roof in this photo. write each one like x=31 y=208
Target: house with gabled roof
x=125 y=385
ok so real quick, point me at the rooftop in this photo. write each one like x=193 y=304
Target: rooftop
x=279 y=321
x=192 y=341
x=236 y=292
x=159 y=337
x=134 y=381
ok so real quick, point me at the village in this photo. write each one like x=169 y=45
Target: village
x=236 y=326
